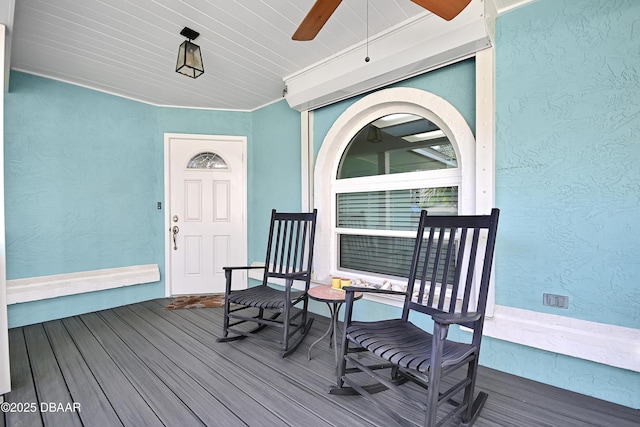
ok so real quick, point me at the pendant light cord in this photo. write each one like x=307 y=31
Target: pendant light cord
x=367 y=59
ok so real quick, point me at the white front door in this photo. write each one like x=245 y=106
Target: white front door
x=206 y=212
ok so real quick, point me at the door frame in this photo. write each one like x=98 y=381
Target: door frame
x=5 y=370
x=167 y=193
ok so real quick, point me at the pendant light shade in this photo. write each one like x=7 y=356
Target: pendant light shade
x=189 y=55
x=374 y=134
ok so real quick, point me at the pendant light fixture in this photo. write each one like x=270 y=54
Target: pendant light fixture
x=189 y=55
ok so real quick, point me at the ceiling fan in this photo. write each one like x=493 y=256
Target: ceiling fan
x=323 y=9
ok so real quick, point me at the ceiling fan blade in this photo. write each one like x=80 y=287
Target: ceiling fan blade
x=315 y=19
x=445 y=9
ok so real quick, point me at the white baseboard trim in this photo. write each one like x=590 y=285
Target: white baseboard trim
x=43 y=287
x=598 y=342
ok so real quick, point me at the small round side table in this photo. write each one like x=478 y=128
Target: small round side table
x=334 y=299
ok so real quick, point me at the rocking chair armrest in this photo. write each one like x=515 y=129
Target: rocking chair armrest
x=455 y=318
x=372 y=290
x=296 y=275
x=244 y=267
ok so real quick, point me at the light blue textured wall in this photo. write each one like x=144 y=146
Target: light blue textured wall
x=568 y=179
x=82 y=179
x=207 y=122
x=78 y=184
x=568 y=158
x=274 y=164
x=84 y=172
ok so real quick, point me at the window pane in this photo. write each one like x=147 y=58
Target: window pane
x=376 y=254
x=397 y=143
x=207 y=160
x=387 y=210
x=395 y=209
x=388 y=255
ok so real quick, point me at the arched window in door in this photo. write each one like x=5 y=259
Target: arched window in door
x=207 y=160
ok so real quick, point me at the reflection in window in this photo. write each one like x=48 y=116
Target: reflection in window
x=207 y=160
x=385 y=212
x=376 y=218
x=397 y=143
x=394 y=209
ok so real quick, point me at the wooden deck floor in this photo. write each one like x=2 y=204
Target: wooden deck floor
x=142 y=365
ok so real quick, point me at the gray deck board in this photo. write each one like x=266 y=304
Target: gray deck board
x=223 y=402
x=200 y=400
x=297 y=369
x=238 y=371
x=123 y=396
x=51 y=387
x=22 y=382
x=143 y=365
x=82 y=385
x=169 y=409
x=294 y=378
x=545 y=402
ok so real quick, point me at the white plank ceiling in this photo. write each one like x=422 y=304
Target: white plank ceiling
x=129 y=47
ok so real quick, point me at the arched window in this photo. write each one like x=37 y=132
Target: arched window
x=388 y=156
x=207 y=160
x=373 y=215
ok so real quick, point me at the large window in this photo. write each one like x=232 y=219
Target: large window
x=386 y=157
x=392 y=168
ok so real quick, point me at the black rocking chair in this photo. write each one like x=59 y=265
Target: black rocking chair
x=448 y=281
x=289 y=258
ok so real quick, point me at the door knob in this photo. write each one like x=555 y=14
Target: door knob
x=175 y=230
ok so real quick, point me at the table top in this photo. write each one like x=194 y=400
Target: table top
x=327 y=294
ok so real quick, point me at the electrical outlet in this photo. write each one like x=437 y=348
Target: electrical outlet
x=558 y=301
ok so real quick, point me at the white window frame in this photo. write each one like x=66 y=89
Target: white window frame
x=389 y=182
x=358 y=115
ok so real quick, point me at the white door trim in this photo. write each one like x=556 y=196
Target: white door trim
x=5 y=371
x=167 y=193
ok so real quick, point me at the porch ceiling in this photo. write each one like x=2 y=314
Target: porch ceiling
x=129 y=48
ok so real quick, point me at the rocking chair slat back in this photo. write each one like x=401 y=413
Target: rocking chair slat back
x=290 y=249
x=444 y=274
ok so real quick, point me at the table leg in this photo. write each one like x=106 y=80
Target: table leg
x=334 y=332
x=329 y=331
